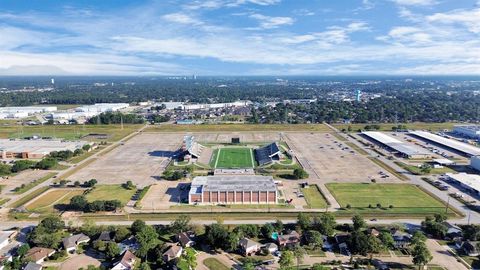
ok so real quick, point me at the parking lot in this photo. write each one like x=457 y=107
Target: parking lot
x=24 y=177
x=332 y=160
x=141 y=159
x=164 y=194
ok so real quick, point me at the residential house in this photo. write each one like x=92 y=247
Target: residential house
x=186 y=239
x=6 y=237
x=71 y=243
x=126 y=262
x=341 y=239
x=105 y=236
x=249 y=247
x=128 y=244
x=39 y=254
x=289 y=240
x=470 y=248
x=401 y=239
x=373 y=232
x=453 y=231
x=33 y=266
x=271 y=248
x=173 y=252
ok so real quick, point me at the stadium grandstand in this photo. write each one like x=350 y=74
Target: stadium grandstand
x=191 y=148
x=267 y=154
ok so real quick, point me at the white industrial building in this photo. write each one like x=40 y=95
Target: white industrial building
x=464 y=148
x=35 y=149
x=184 y=106
x=102 y=107
x=469 y=181
x=475 y=162
x=23 y=112
x=470 y=131
x=395 y=145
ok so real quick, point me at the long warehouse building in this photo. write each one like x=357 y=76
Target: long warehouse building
x=464 y=148
x=238 y=189
x=468 y=181
x=395 y=145
x=35 y=149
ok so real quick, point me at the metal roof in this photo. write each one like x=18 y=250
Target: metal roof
x=395 y=144
x=232 y=183
x=459 y=146
x=470 y=180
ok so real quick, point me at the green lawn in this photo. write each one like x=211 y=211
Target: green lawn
x=403 y=197
x=110 y=192
x=69 y=132
x=234 y=158
x=313 y=197
x=214 y=264
x=418 y=171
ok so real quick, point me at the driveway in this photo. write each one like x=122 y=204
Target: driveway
x=79 y=261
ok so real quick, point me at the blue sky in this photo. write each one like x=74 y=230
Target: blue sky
x=240 y=37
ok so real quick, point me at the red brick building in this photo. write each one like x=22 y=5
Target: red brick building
x=238 y=189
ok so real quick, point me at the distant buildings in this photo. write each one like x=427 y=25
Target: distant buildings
x=23 y=112
x=83 y=113
x=239 y=189
x=469 y=131
x=463 y=148
x=395 y=145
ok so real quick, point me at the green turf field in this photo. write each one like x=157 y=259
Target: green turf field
x=403 y=197
x=238 y=157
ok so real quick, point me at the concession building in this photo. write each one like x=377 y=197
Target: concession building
x=404 y=149
x=463 y=148
x=238 y=189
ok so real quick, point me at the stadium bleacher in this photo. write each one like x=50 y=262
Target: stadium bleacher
x=266 y=154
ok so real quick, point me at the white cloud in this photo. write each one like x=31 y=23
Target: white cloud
x=181 y=18
x=469 y=18
x=267 y=22
x=415 y=2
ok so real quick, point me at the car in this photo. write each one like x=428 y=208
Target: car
x=373 y=219
x=277 y=253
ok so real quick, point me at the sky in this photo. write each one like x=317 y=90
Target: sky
x=240 y=37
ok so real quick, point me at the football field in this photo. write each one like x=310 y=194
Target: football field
x=234 y=158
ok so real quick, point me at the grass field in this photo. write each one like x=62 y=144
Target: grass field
x=239 y=157
x=69 y=132
x=403 y=197
x=34 y=183
x=418 y=171
x=214 y=264
x=110 y=192
x=314 y=198
x=388 y=127
x=46 y=202
x=239 y=128
x=25 y=199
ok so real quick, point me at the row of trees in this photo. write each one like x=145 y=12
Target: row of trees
x=80 y=203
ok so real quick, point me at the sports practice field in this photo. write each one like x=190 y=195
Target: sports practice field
x=400 y=196
x=234 y=158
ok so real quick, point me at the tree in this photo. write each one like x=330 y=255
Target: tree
x=303 y=220
x=387 y=240
x=46 y=163
x=278 y=225
x=137 y=226
x=216 y=235
x=78 y=202
x=425 y=169
x=299 y=253
x=147 y=239
x=52 y=224
x=5 y=169
x=129 y=185
x=267 y=230
x=181 y=224
x=112 y=250
x=318 y=266
x=144 y=266
x=421 y=255
x=121 y=233
x=90 y=183
x=358 y=222
x=325 y=223
x=314 y=239
x=188 y=260
x=418 y=237
x=300 y=173
x=286 y=260
x=22 y=250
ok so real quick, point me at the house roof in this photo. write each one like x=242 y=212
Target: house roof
x=33 y=266
x=172 y=251
x=246 y=243
x=72 y=241
x=105 y=236
x=293 y=236
x=271 y=245
x=127 y=259
x=38 y=253
x=183 y=238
